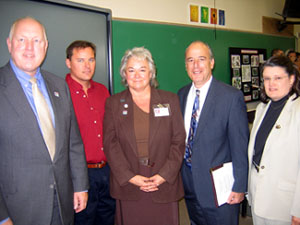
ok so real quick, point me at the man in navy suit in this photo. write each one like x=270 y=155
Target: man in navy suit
x=221 y=136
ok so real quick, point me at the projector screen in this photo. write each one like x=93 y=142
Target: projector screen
x=65 y=22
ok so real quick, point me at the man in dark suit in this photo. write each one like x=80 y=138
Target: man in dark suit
x=43 y=174
x=220 y=136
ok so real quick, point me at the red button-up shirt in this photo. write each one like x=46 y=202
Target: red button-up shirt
x=89 y=110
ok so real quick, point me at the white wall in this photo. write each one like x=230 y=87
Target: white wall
x=242 y=15
x=245 y=15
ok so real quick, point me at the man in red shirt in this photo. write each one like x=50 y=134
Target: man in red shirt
x=88 y=99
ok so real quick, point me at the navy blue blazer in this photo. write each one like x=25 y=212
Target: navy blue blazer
x=222 y=136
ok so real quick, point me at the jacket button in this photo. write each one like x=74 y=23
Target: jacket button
x=262 y=167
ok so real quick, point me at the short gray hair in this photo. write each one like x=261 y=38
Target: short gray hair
x=140 y=53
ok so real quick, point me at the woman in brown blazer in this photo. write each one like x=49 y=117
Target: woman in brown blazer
x=144 y=142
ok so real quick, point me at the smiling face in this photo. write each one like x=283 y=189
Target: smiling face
x=138 y=74
x=82 y=65
x=277 y=82
x=27 y=45
x=198 y=63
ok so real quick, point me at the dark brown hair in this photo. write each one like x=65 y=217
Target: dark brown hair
x=81 y=45
x=285 y=63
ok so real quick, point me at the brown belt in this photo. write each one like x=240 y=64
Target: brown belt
x=96 y=165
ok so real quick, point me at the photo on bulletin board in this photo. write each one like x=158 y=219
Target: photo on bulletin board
x=245 y=59
x=254 y=61
x=246 y=74
x=255 y=95
x=235 y=61
x=236 y=72
x=255 y=82
x=237 y=82
x=245 y=71
x=254 y=71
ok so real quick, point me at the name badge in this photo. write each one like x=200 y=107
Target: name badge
x=161 y=110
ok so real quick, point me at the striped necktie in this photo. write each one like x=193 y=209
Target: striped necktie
x=192 y=131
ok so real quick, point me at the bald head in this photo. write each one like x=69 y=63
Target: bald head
x=24 y=19
x=202 y=44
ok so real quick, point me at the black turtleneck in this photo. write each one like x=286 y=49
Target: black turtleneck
x=266 y=127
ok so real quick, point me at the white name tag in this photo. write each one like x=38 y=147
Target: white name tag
x=161 y=110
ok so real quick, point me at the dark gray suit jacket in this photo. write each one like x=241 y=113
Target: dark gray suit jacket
x=222 y=136
x=28 y=177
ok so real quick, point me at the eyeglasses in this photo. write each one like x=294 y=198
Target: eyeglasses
x=275 y=79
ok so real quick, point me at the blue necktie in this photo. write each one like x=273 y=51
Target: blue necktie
x=192 y=131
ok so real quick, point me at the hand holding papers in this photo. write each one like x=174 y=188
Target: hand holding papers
x=222 y=177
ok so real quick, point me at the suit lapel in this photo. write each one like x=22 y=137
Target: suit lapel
x=16 y=96
x=280 y=123
x=127 y=121
x=154 y=122
x=125 y=109
x=261 y=114
x=207 y=107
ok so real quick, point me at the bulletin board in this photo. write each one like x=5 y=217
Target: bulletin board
x=245 y=71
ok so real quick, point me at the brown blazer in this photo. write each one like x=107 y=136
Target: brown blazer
x=166 y=146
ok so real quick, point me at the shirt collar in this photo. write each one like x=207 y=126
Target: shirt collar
x=22 y=76
x=75 y=85
x=204 y=88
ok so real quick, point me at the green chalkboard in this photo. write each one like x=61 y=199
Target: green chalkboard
x=167 y=44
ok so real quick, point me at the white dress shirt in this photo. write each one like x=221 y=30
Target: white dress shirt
x=190 y=103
